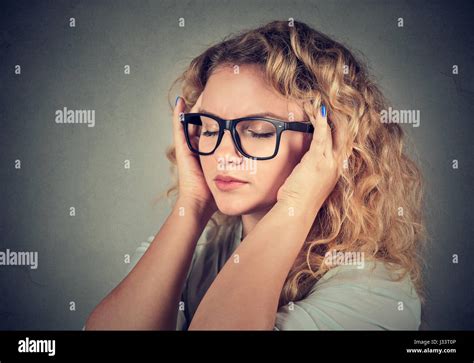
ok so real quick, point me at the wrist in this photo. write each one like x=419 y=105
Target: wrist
x=193 y=208
x=305 y=211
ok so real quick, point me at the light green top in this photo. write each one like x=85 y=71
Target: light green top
x=346 y=298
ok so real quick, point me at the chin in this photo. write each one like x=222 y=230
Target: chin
x=236 y=206
x=233 y=204
x=231 y=208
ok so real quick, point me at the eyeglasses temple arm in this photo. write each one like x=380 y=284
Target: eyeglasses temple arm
x=300 y=126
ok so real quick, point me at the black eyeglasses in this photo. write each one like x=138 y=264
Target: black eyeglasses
x=254 y=137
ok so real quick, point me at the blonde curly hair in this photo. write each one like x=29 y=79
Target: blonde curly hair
x=376 y=206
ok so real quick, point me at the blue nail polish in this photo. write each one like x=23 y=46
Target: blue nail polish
x=176 y=101
x=323 y=110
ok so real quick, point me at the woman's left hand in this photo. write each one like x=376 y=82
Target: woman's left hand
x=316 y=175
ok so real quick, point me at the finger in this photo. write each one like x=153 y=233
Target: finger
x=340 y=134
x=177 y=125
x=181 y=146
x=318 y=143
x=328 y=151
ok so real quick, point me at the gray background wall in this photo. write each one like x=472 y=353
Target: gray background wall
x=81 y=257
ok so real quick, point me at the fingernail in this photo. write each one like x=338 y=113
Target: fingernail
x=176 y=101
x=323 y=110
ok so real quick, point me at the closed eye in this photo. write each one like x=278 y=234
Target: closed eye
x=261 y=135
x=209 y=133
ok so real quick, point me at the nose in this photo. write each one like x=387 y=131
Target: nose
x=227 y=150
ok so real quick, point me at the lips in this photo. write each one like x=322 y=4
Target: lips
x=226 y=183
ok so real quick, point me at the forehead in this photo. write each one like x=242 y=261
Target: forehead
x=230 y=94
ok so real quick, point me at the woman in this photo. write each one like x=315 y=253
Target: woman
x=321 y=231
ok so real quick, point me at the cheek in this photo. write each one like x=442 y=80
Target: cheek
x=292 y=148
x=209 y=166
x=270 y=176
x=272 y=173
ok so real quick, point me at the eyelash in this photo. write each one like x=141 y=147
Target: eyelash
x=210 y=133
x=266 y=135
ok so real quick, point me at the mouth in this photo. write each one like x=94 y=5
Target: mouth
x=226 y=183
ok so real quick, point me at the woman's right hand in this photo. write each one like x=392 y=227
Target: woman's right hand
x=192 y=185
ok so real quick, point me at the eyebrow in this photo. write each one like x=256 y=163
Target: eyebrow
x=261 y=114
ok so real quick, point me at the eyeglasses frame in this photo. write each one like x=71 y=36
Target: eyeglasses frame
x=231 y=125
